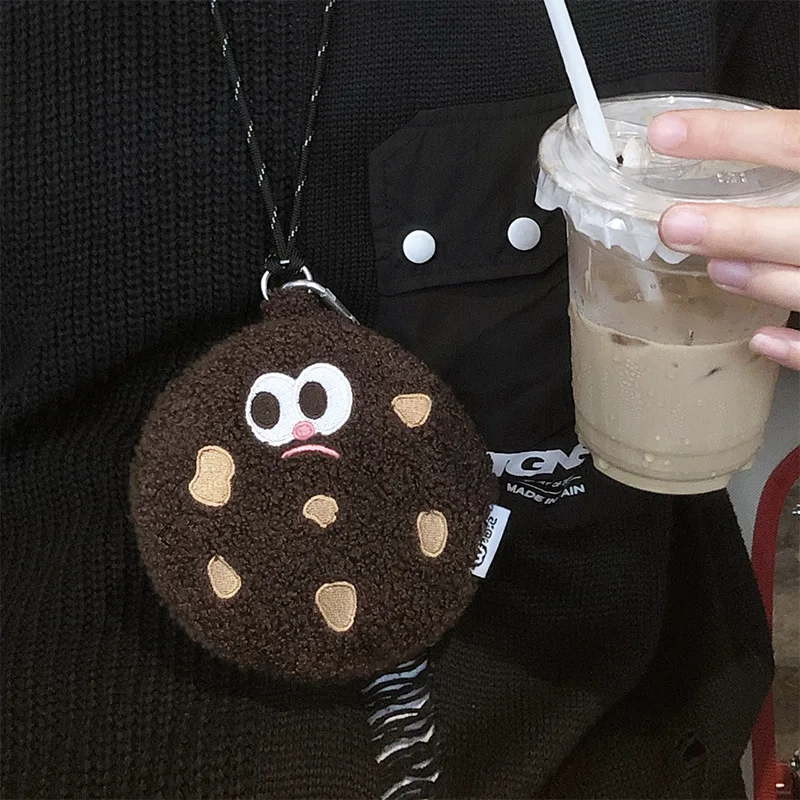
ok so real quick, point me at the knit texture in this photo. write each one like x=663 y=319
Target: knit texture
x=134 y=238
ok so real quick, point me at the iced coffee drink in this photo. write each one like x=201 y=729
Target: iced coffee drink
x=668 y=396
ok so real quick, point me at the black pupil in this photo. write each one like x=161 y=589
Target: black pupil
x=265 y=410
x=313 y=400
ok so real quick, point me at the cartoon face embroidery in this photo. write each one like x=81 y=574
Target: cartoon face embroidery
x=280 y=409
x=309 y=498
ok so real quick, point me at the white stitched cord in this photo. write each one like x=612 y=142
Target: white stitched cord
x=282 y=245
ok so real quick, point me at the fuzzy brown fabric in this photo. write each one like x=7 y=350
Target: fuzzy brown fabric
x=257 y=521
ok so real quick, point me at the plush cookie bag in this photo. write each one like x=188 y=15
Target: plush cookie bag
x=309 y=498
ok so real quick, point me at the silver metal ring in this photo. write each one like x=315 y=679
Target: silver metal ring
x=326 y=295
x=304 y=271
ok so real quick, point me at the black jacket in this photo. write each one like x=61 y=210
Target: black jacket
x=617 y=648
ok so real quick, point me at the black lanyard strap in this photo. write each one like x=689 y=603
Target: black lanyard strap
x=286 y=259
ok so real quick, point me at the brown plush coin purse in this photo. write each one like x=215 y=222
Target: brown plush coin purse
x=309 y=498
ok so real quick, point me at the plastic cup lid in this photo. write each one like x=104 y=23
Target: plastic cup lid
x=621 y=204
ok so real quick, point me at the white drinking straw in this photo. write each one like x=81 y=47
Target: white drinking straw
x=589 y=108
x=579 y=79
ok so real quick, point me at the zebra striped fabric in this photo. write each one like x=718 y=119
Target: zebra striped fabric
x=401 y=719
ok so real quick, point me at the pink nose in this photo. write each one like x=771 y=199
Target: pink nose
x=304 y=430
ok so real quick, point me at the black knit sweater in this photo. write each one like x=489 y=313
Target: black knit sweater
x=617 y=648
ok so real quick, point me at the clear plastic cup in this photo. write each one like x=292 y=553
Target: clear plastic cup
x=668 y=396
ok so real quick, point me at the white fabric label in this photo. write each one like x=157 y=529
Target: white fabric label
x=492 y=534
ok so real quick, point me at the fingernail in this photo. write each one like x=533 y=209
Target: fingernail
x=666 y=132
x=732 y=274
x=770 y=346
x=683 y=225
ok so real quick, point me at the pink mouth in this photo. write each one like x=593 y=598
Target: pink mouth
x=310 y=448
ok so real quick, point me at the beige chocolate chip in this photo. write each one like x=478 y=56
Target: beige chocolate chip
x=413 y=409
x=432 y=531
x=225 y=580
x=321 y=509
x=211 y=484
x=337 y=604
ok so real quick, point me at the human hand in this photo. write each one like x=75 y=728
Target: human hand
x=753 y=251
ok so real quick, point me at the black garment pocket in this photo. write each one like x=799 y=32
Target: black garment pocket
x=464 y=175
x=484 y=300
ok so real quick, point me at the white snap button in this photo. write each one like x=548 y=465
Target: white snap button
x=419 y=247
x=524 y=233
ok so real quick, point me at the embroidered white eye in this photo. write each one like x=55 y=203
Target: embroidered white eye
x=271 y=411
x=324 y=397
